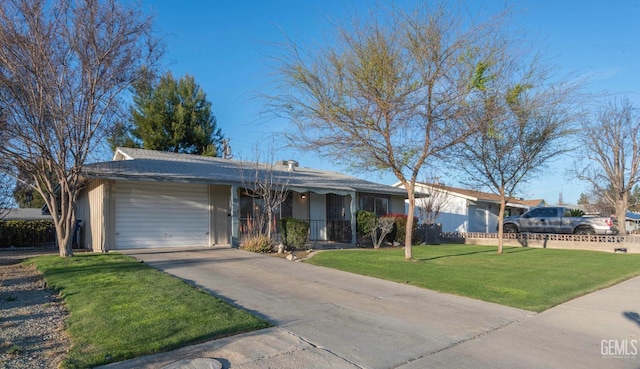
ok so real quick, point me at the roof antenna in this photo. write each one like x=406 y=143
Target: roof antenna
x=226 y=149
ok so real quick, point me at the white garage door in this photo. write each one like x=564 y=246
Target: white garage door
x=156 y=214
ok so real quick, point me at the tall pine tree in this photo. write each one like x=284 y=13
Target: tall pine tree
x=172 y=116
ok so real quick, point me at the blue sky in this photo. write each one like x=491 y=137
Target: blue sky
x=222 y=44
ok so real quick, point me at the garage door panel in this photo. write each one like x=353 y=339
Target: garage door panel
x=147 y=198
x=161 y=215
x=161 y=226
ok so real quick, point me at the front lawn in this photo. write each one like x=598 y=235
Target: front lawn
x=120 y=308
x=527 y=278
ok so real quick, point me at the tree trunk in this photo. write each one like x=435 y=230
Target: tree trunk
x=269 y=219
x=63 y=211
x=503 y=206
x=621 y=214
x=65 y=226
x=409 y=230
x=65 y=240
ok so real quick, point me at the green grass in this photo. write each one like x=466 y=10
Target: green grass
x=120 y=309
x=527 y=278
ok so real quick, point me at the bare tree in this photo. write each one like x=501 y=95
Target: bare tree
x=383 y=226
x=63 y=66
x=593 y=204
x=386 y=96
x=5 y=195
x=430 y=207
x=602 y=207
x=377 y=228
x=634 y=199
x=269 y=182
x=610 y=152
x=524 y=117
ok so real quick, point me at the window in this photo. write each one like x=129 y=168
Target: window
x=285 y=210
x=550 y=213
x=252 y=205
x=542 y=213
x=375 y=203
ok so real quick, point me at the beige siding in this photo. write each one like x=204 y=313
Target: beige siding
x=92 y=211
x=397 y=205
x=300 y=206
x=220 y=215
x=82 y=213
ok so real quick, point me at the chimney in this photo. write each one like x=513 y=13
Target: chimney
x=292 y=164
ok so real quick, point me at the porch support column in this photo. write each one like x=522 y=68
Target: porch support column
x=354 y=209
x=234 y=206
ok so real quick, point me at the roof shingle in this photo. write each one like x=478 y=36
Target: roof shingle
x=149 y=165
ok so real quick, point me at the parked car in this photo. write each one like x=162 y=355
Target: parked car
x=557 y=220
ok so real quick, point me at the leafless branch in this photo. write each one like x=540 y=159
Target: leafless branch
x=610 y=152
x=269 y=182
x=384 y=226
x=524 y=117
x=6 y=199
x=63 y=67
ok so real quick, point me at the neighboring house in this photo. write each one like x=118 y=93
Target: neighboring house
x=27 y=214
x=632 y=222
x=148 y=198
x=463 y=210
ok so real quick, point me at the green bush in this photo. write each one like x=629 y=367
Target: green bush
x=26 y=233
x=399 y=231
x=294 y=232
x=366 y=221
x=260 y=243
x=576 y=213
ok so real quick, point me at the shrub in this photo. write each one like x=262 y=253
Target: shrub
x=576 y=213
x=366 y=221
x=400 y=228
x=294 y=232
x=26 y=233
x=383 y=227
x=259 y=243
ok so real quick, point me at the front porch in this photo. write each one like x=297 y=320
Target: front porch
x=330 y=216
x=319 y=230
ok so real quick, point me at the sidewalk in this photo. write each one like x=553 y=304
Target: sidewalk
x=599 y=330
x=267 y=348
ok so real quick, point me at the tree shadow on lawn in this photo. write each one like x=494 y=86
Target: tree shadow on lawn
x=509 y=250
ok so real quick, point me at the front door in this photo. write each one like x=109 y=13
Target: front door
x=338 y=224
x=317 y=217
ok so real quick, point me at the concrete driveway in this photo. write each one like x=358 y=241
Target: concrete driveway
x=351 y=321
